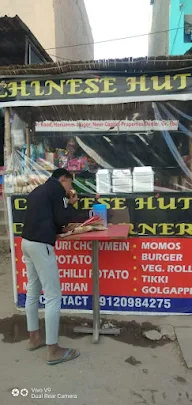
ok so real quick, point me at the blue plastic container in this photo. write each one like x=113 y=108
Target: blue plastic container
x=101 y=211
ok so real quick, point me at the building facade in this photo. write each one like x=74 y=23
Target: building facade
x=172 y=22
x=158 y=43
x=57 y=24
x=180 y=25
x=18 y=46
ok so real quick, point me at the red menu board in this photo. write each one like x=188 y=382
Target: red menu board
x=136 y=275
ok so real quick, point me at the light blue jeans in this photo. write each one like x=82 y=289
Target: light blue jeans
x=42 y=273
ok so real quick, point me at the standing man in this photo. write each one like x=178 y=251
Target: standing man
x=48 y=210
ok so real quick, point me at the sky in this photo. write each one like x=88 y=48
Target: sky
x=111 y=19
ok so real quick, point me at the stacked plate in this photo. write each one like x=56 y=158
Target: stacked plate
x=122 y=181
x=103 y=181
x=143 y=179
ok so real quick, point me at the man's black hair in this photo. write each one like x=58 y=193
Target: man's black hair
x=61 y=172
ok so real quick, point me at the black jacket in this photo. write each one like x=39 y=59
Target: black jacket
x=47 y=212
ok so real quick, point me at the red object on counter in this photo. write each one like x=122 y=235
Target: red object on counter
x=91 y=221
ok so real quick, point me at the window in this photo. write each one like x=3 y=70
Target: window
x=188 y=28
x=32 y=56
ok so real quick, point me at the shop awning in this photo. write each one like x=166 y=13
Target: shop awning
x=44 y=94
x=109 y=66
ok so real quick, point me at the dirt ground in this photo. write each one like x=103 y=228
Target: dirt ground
x=124 y=370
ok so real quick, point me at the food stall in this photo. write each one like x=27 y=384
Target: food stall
x=123 y=128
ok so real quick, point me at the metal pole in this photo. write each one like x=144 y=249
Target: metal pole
x=96 y=301
x=96 y=295
x=7 y=136
x=28 y=140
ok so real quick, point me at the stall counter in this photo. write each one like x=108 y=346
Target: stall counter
x=148 y=273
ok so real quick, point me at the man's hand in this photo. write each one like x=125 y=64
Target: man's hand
x=73 y=198
x=69 y=227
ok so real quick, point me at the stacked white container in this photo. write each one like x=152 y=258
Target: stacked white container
x=103 y=181
x=122 y=181
x=143 y=179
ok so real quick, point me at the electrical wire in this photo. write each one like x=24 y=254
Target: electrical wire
x=61 y=57
x=115 y=39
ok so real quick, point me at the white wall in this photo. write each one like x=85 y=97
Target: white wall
x=55 y=23
x=159 y=43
